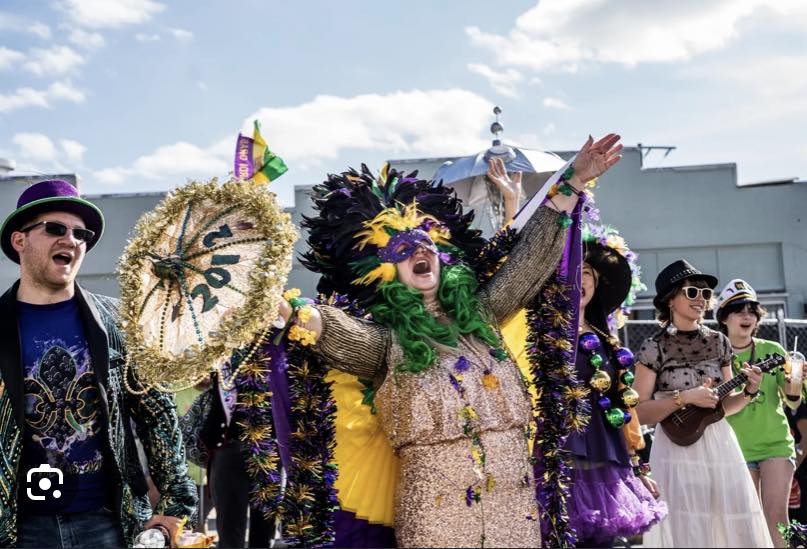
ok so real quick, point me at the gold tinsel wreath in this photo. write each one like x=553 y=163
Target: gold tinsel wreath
x=238 y=325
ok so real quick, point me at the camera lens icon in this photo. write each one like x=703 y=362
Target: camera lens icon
x=45 y=483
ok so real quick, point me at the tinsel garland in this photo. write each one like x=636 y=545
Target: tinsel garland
x=310 y=499
x=307 y=504
x=253 y=416
x=493 y=254
x=561 y=406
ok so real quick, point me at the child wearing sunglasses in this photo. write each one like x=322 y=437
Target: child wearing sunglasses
x=711 y=499
x=761 y=427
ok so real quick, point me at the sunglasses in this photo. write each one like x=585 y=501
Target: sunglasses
x=692 y=292
x=54 y=228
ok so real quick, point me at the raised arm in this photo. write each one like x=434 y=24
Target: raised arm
x=538 y=251
x=533 y=259
x=593 y=160
x=509 y=186
x=350 y=344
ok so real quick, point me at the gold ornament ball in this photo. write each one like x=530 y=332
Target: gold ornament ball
x=600 y=381
x=630 y=397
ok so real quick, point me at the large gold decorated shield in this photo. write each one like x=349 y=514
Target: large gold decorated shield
x=203 y=275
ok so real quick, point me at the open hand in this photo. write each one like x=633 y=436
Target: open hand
x=508 y=185
x=594 y=159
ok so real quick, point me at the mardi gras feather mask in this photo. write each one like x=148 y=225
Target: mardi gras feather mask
x=366 y=225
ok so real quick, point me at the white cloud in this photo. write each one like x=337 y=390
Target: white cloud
x=40 y=153
x=181 y=34
x=35 y=147
x=39 y=29
x=9 y=57
x=86 y=40
x=414 y=122
x=56 y=60
x=555 y=103
x=504 y=82
x=23 y=97
x=73 y=150
x=201 y=85
x=66 y=91
x=143 y=37
x=180 y=159
x=565 y=34
x=175 y=162
x=112 y=176
x=29 y=97
x=549 y=129
x=106 y=13
x=428 y=123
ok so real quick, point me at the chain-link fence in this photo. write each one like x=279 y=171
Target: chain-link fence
x=783 y=330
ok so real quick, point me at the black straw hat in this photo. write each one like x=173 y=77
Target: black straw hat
x=614 y=274
x=675 y=273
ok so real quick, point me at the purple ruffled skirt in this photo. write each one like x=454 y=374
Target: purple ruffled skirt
x=609 y=501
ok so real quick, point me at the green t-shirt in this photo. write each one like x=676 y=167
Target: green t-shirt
x=761 y=427
x=183 y=400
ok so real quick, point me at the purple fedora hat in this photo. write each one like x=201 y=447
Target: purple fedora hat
x=53 y=195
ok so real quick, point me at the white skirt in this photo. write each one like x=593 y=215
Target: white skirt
x=710 y=496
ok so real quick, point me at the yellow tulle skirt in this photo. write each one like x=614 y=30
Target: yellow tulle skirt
x=368 y=468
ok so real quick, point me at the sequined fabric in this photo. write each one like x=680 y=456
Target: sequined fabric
x=421 y=416
x=422 y=409
x=431 y=509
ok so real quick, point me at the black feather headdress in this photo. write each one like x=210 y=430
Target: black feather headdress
x=357 y=212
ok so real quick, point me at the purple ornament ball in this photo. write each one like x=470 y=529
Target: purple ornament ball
x=604 y=403
x=624 y=357
x=589 y=342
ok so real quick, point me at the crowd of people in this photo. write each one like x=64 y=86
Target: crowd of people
x=441 y=377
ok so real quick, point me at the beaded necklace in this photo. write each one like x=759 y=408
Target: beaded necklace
x=589 y=343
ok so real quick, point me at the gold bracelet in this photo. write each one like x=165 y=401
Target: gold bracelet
x=677 y=398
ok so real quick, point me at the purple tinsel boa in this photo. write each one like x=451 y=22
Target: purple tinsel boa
x=285 y=417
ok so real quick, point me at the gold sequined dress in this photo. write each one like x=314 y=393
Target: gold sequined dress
x=448 y=495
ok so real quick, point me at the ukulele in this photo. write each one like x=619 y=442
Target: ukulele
x=686 y=425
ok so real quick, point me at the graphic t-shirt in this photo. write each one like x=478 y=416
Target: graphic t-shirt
x=761 y=427
x=63 y=427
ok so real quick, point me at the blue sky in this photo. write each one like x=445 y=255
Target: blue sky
x=139 y=95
